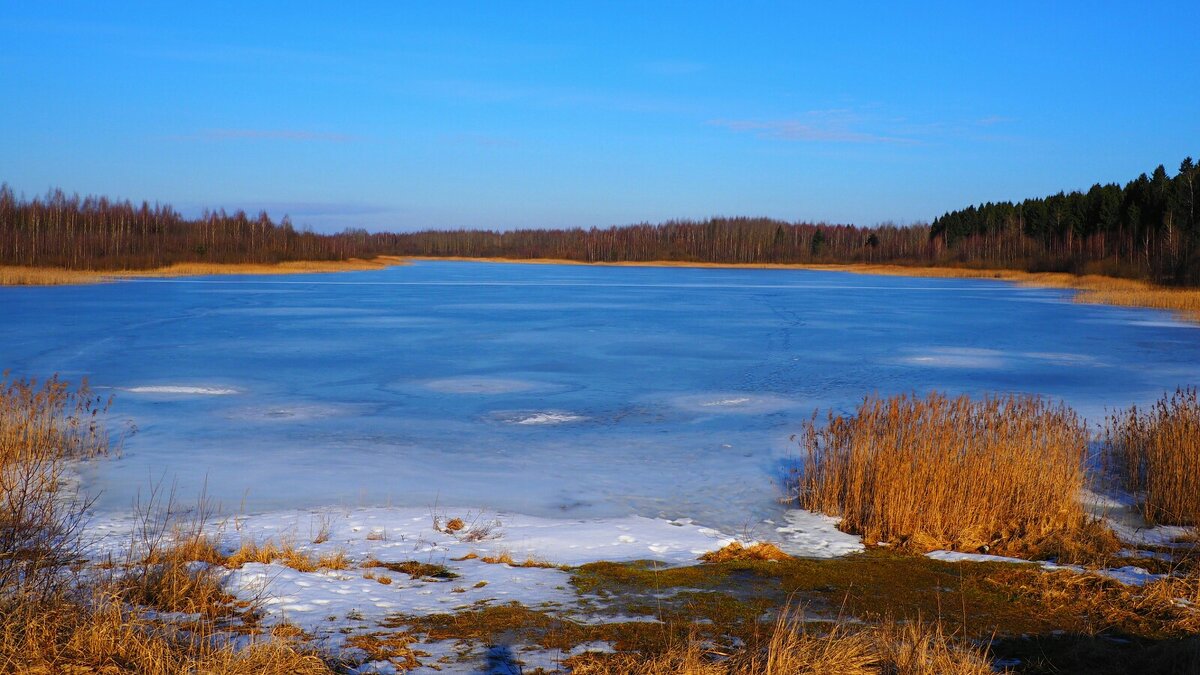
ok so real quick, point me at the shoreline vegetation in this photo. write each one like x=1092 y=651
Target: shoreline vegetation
x=1090 y=289
x=14 y=275
x=166 y=604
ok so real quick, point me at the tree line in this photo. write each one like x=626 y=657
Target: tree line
x=95 y=233
x=1150 y=228
x=1147 y=229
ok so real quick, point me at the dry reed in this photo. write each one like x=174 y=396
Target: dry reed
x=1156 y=454
x=794 y=648
x=13 y=275
x=43 y=428
x=286 y=554
x=737 y=551
x=54 y=619
x=104 y=635
x=1093 y=288
x=1001 y=473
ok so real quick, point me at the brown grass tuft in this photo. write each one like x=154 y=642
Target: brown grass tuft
x=504 y=557
x=284 y=553
x=1156 y=454
x=1001 y=473
x=736 y=551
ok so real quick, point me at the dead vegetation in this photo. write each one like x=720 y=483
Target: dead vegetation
x=55 y=616
x=13 y=275
x=504 y=557
x=415 y=569
x=793 y=647
x=1092 y=288
x=1155 y=453
x=1001 y=474
x=736 y=551
x=284 y=553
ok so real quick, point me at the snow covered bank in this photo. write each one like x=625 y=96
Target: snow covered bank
x=330 y=603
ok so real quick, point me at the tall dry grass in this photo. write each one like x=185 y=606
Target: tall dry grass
x=14 y=275
x=794 y=648
x=1156 y=454
x=105 y=635
x=55 y=615
x=1001 y=473
x=44 y=426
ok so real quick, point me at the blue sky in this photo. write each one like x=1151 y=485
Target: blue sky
x=403 y=116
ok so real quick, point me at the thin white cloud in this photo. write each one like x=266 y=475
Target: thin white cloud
x=817 y=126
x=992 y=120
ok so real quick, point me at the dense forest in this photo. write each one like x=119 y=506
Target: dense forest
x=1147 y=229
x=1150 y=228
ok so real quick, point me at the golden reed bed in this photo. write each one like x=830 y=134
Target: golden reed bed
x=57 y=276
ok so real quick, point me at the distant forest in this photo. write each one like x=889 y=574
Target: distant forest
x=1148 y=229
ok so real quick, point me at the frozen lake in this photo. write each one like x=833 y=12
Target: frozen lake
x=560 y=391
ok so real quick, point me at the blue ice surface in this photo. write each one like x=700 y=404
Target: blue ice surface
x=550 y=390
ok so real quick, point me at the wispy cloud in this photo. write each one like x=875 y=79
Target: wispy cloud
x=295 y=135
x=992 y=120
x=816 y=126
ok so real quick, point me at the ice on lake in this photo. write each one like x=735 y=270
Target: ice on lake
x=552 y=391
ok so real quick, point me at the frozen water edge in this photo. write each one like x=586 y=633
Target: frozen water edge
x=1129 y=575
x=325 y=602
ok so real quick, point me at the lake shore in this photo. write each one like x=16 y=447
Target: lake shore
x=1092 y=288
x=11 y=275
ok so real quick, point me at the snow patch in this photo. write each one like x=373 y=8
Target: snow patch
x=1128 y=575
x=815 y=535
x=539 y=418
x=182 y=390
x=736 y=403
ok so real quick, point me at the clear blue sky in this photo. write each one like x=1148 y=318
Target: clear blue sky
x=401 y=116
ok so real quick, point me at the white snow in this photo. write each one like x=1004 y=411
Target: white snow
x=957 y=556
x=815 y=535
x=727 y=401
x=548 y=417
x=181 y=389
x=1128 y=575
x=330 y=603
x=1121 y=511
x=737 y=403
